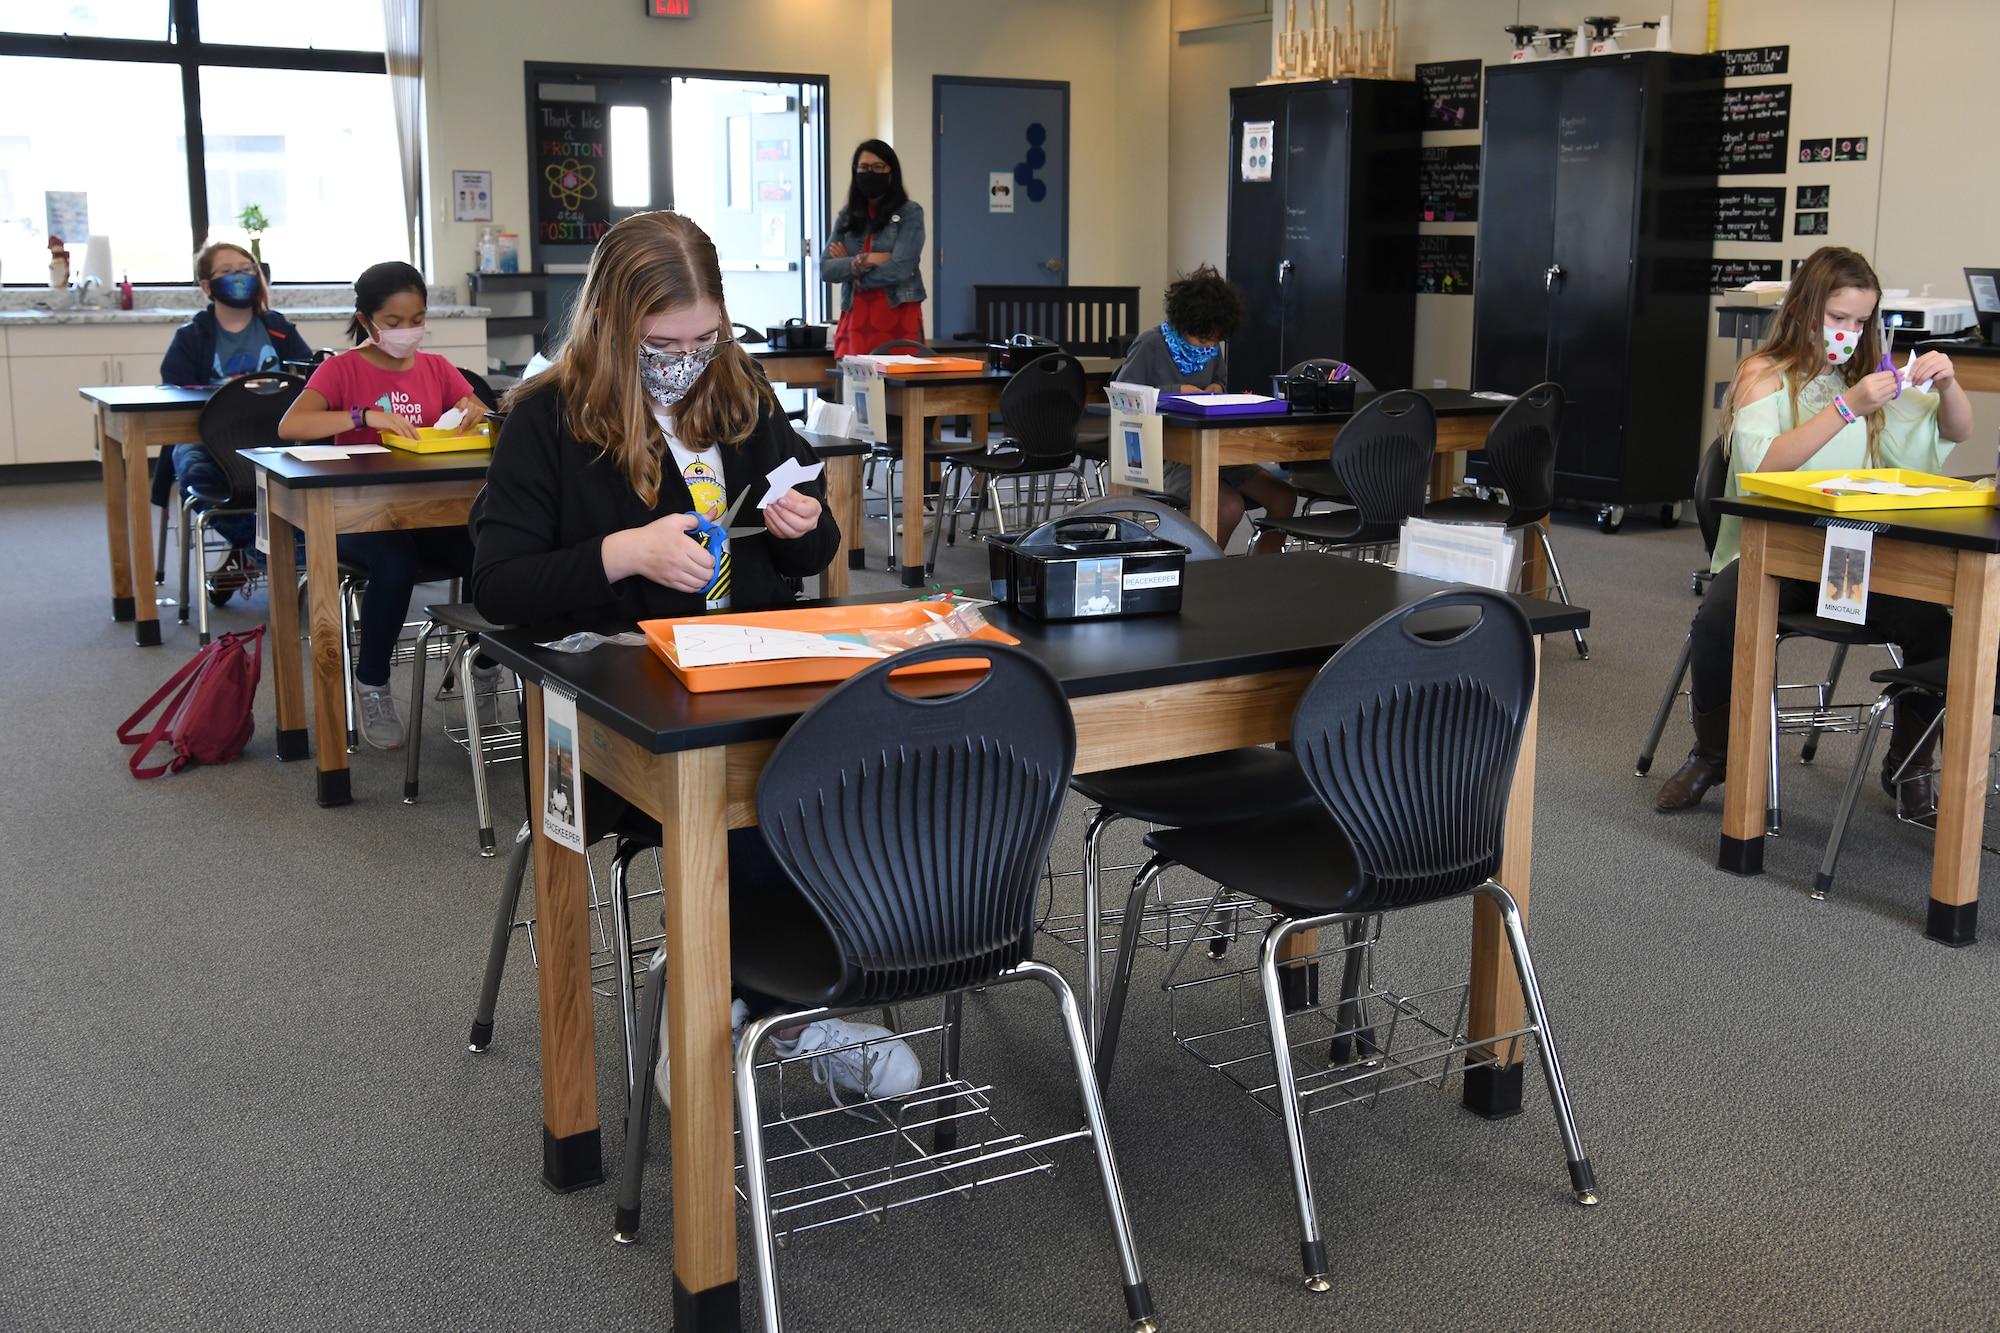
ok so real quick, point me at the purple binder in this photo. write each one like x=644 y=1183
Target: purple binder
x=1197 y=405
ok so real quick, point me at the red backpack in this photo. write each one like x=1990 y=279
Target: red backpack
x=208 y=719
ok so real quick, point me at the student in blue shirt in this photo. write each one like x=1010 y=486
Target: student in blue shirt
x=237 y=334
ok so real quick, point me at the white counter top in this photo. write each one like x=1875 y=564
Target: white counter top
x=156 y=315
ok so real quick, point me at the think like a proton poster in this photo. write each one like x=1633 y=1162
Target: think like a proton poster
x=572 y=187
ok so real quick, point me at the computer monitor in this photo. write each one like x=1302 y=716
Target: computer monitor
x=1985 y=286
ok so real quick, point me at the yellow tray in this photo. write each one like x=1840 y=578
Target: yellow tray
x=1803 y=488
x=431 y=440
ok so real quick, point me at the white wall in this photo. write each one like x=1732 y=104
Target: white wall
x=1214 y=50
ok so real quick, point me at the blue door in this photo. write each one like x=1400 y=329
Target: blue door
x=1000 y=193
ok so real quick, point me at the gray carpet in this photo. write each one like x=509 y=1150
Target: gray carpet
x=234 y=1090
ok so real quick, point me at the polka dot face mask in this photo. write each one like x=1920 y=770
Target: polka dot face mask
x=1839 y=344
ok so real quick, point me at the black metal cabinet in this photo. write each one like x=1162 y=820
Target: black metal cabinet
x=1577 y=280
x=1326 y=249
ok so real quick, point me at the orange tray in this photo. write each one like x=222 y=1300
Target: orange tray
x=956 y=365
x=800 y=670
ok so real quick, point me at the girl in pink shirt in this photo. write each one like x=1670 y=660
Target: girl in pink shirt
x=387 y=385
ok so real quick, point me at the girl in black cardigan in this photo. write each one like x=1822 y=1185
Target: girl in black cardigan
x=650 y=414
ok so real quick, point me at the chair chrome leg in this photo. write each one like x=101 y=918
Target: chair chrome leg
x=503 y=934
x=639 y=1104
x=413 y=738
x=1562 y=589
x=1583 y=1182
x=1138 y=1301
x=756 y=1184
x=1665 y=709
x=1774 y=818
x=1093 y=919
x=348 y=612
x=1864 y=755
x=1121 y=967
x=1312 y=1250
x=1826 y=691
x=621 y=948
x=476 y=741
x=1354 y=1041
x=951 y=1026
x=186 y=523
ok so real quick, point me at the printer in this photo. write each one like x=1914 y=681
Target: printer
x=1928 y=316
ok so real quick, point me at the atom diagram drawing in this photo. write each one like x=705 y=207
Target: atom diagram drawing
x=571 y=182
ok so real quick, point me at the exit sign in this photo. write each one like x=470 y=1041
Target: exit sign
x=670 y=9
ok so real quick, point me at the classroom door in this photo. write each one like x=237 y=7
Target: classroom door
x=1000 y=194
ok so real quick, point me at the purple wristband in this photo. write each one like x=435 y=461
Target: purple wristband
x=359 y=416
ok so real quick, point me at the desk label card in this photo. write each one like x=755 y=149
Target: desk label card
x=263 y=514
x=1136 y=438
x=1843 y=576
x=562 y=784
x=862 y=391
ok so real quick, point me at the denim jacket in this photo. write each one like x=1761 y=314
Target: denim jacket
x=903 y=237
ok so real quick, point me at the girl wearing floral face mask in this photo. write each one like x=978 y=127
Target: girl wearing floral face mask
x=1813 y=397
x=387 y=385
x=650 y=421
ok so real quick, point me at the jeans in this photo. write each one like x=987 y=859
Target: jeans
x=393 y=559
x=194 y=468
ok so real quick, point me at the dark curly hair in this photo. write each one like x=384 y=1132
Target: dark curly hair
x=1204 y=304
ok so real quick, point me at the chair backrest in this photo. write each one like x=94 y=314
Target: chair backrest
x=1383 y=457
x=1711 y=479
x=1410 y=735
x=903 y=347
x=1088 y=321
x=917 y=827
x=1521 y=450
x=1042 y=403
x=1330 y=368
x=481 y=389
x=244 y=414
x=1167 y=522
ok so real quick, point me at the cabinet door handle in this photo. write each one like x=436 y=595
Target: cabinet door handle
x=1551 y=275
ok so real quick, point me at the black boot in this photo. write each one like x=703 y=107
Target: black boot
x=1706 y=766
x=1912 y=752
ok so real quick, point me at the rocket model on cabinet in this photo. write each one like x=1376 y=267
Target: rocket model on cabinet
x=1323 y=179
x=1593 y=265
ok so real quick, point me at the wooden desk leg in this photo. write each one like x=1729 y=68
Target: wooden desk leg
x=329 y=669
x=1204 y=490
x=695 y=866
x=1968 y=738
x=915 y=429
x=1444 y=474
x=287 y=671
x=1743 y=806
x=1495 y=1003
x=572 y=1156
x=111 y=458
x=843 y=491
x=139 y=527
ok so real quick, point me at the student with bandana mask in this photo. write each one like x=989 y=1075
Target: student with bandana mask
x=878 y=239
x=387 y=385
x=237 y=334
x=1814 y=396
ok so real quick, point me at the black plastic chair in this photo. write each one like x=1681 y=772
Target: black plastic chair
x=243 y=414
x=1198 y=790
x=481 y=389
x=1409 y=737
x=496 y=742
x=1711 y=482
x=1383 y=459
x=1042 y=405
x=907 y=836
x=1521 y=457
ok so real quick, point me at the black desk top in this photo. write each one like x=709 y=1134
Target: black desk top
x=834 y=446
x=1445 y=402
x=1960 y=529
x=1975 y=346
x=149 y=397
x=1242 y=615
x=370 y=469
x=1094 y=368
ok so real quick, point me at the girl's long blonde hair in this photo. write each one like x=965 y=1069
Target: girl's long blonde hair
x=1795 y=347
x=646 y=265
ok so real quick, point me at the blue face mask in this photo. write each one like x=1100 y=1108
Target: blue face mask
x=234 y=289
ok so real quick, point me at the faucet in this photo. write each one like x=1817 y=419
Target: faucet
x=80 y=290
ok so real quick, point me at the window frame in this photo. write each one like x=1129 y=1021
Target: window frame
x=186 y=49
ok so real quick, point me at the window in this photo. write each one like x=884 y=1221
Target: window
x=188 y=124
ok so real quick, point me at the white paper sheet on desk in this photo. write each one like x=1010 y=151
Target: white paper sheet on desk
x=1870 y=486
x=333 y=453
x=785 y=476
x=450 y=420
x=1492 y=396
x=1225 y=399
x=719 y=643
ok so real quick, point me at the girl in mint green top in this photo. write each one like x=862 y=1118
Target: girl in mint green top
x=1814 y=396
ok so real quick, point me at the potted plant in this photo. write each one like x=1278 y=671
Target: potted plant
x=253 y=220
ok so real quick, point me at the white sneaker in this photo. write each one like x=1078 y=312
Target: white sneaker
x=484 y=682
x=380 y=726
x=884 y=1067
x=739 y=1014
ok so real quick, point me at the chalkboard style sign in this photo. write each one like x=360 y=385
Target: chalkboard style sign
x=1729 y=131
x=1755 y=62
x=1735 y=214
x=1444 y=265
x=1723 y=274
x=1450 y=93
x=572 y=183
x=1450 y=185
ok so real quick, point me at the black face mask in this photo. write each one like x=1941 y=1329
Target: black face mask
x=872 y=184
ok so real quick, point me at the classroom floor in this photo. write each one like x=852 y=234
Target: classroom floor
x=234 y=1089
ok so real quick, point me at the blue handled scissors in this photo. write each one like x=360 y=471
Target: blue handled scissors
x=709 y=531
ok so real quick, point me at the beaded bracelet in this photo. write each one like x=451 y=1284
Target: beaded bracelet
x=1846 y=412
